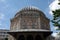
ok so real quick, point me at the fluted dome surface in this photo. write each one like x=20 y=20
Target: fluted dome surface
x=30 y=8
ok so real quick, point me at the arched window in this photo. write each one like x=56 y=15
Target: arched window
x=38 y=37
x=29 y=37
x=21 y=37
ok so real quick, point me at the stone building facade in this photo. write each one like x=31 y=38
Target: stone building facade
x=3 y=34
x=29 y=23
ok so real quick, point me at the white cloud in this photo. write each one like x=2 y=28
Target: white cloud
x=55 y=27
x=53 y=6
x=50 y=12
x=2 y=16
x=54 y=34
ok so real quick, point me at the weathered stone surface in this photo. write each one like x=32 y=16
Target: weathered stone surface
x=29 y=21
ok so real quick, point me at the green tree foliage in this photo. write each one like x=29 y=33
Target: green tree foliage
x=59 y=33
x=56 y=18
x=59 y=2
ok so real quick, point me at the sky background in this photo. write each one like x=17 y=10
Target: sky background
x=8 y=8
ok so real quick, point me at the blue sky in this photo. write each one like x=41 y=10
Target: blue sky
x=8 y=8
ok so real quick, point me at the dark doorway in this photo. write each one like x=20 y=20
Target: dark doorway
x=29 y=37
x=38 y=37
x=21 y=37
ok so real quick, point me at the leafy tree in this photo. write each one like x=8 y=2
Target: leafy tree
x=59 y=2
x=58 y=35
x=56 y=18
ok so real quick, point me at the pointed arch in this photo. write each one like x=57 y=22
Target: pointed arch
x=38 y=37
x=21 y=37
x=29 y=37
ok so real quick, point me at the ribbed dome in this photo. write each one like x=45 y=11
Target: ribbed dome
x=30 y=8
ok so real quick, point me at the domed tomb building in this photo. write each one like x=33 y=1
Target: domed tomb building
x=30 y=23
